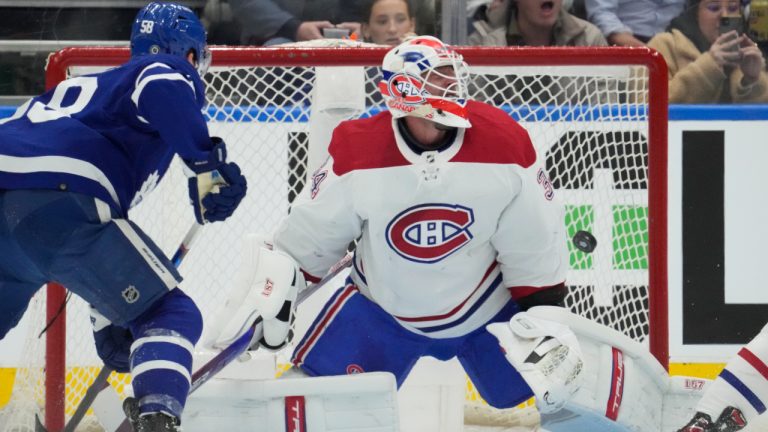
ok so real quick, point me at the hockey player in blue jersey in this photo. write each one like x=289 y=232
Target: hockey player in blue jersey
x=73 y=161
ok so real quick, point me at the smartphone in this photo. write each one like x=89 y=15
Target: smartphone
x=729 y=23
x=335 y=33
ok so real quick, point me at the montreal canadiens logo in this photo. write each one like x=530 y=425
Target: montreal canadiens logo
x=428 y=233
x=405 y=88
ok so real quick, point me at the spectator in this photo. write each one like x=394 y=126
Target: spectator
x=272 y=22
x=531 y=22
x=632 y=22
x=706 y=66
x=222 y=27
x=388 y=22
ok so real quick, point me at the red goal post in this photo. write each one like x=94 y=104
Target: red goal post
x=639 y=104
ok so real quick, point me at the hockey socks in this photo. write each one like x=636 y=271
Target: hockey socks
x=161 y=356
x=743 y=383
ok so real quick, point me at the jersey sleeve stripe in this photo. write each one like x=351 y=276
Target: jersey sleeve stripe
x=58 y=164
x=175 y=76
x=148 y=68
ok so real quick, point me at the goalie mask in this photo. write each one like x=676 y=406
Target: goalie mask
x=423 y=77
x=169 y=28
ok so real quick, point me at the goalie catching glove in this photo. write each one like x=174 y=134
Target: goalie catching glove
x=266 y=285
x=547 y=355
x=216 y=186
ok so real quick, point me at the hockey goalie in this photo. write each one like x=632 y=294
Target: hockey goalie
x=461 y=254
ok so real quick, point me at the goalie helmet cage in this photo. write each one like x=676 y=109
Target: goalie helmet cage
x=598 y=116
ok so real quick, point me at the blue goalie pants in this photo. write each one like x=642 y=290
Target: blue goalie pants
x=352 y=334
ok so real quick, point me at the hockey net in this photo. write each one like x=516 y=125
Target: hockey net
x=596 y=115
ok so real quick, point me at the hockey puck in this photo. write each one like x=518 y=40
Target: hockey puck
x=584 y=241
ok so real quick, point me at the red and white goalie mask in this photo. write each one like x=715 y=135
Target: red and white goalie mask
x=423 y=77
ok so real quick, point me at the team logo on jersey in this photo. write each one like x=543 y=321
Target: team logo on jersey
x=406 y=89
x=428 y=233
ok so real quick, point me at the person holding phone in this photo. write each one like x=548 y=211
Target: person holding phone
x=273 y=22
x=710 y=58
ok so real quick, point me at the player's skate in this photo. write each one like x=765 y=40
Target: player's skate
x=730 y=420
x=156 y=422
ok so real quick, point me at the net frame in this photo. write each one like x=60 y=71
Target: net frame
x=58 y=64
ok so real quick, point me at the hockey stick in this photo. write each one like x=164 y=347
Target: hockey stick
x=101 y=383
x=241 y=344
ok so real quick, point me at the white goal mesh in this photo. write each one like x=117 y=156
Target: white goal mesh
x=597 y=116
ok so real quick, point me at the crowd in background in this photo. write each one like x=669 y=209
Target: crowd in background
x=712 y=47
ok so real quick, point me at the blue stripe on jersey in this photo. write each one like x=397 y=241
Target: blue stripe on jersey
x=742 y=388
x=359 y=273
x=490 y=290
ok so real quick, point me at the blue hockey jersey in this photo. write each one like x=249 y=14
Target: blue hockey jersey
x=110 y=135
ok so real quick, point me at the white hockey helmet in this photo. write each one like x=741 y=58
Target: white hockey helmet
x=423 y=77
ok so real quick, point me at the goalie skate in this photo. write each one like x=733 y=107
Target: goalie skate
x=730 y=420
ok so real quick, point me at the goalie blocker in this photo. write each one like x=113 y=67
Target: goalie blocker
x=266 y=285
x=590 y=377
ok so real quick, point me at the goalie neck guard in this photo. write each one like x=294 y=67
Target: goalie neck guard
x=169 y=28
x=423 y=77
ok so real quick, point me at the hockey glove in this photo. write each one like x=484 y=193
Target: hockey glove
x=546 y=353
x=216 y=187
x=266 y=285
x=113 y=343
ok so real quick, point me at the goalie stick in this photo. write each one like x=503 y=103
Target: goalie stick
x=241 y=344
x=101 y=383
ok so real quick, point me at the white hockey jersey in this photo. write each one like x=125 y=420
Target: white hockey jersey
x=443 y=236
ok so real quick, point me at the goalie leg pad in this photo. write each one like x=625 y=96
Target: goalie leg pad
x=361 y=402
x=623 y=386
